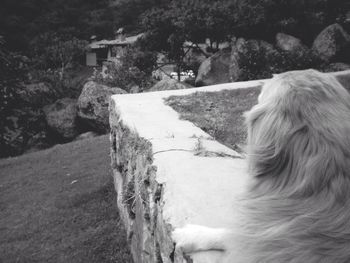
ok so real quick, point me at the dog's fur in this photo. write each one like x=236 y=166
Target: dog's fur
x=297 y=207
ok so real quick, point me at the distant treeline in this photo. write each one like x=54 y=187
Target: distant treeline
x=23 y=21
x=219 y=20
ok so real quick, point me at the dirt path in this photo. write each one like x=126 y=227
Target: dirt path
x=59 y=205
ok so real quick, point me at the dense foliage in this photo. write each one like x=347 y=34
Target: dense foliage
x=29 y=24
x=23 y=20
x=169 y=26
x=301 y=18
x=133 y=68
x=12 y=72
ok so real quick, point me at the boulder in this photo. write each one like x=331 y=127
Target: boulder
x=290 y=44
x=215 y=69
x=62 y=118
x=38 y=94
x=331 y=43
x=93 y=105
x=168 y=84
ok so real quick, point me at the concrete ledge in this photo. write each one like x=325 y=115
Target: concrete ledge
x=169 y=173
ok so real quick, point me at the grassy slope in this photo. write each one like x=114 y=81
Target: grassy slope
x=45 y=217
x=218 y=113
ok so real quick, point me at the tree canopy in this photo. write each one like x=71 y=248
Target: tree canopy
x=168 y=26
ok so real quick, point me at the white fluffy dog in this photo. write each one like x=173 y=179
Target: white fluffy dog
x=297 y=206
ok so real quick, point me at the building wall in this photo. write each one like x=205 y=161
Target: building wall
x=91 y=59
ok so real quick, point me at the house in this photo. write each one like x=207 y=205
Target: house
x=108 y=50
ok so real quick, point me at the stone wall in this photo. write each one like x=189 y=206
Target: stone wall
x=139 y=194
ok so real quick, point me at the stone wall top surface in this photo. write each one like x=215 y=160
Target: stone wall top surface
x=200 y=177
x=147 y=114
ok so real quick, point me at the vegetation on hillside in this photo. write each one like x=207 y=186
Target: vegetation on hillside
x=169 y=26
x=134 y=68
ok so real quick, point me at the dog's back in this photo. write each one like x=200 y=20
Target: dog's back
x=298 y=206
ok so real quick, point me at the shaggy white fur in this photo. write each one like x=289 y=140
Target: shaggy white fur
x=297 y=207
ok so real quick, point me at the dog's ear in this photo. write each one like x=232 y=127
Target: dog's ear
x=279 y=145
x=267 y=130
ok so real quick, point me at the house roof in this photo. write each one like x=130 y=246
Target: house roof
x=115 y=42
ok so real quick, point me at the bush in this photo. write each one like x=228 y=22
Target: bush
x=286 y=61
x=133 y=68
x=260 y=65
x=254 y=65
x=70 y=85
x=12 y=74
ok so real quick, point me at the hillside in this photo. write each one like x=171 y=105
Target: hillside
x=59 y=205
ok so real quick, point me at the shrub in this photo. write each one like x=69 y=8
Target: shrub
x=286 y=61
x=259 y=65
x=134 y=67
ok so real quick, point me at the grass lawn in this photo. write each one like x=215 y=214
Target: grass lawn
x=220 y=114
x=59 y=205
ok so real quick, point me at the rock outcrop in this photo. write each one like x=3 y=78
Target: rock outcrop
x=290 y=44
x=332 y=43
x=62 y=118
x=215 y=69
x=93 y=105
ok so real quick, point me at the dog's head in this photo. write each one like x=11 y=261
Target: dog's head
x=299 y=133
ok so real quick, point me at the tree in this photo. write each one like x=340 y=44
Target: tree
x=169 y=27
x=21 y=21
x=12 y=73
x=134 y=67
x=64 y=53
x=301 y=18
